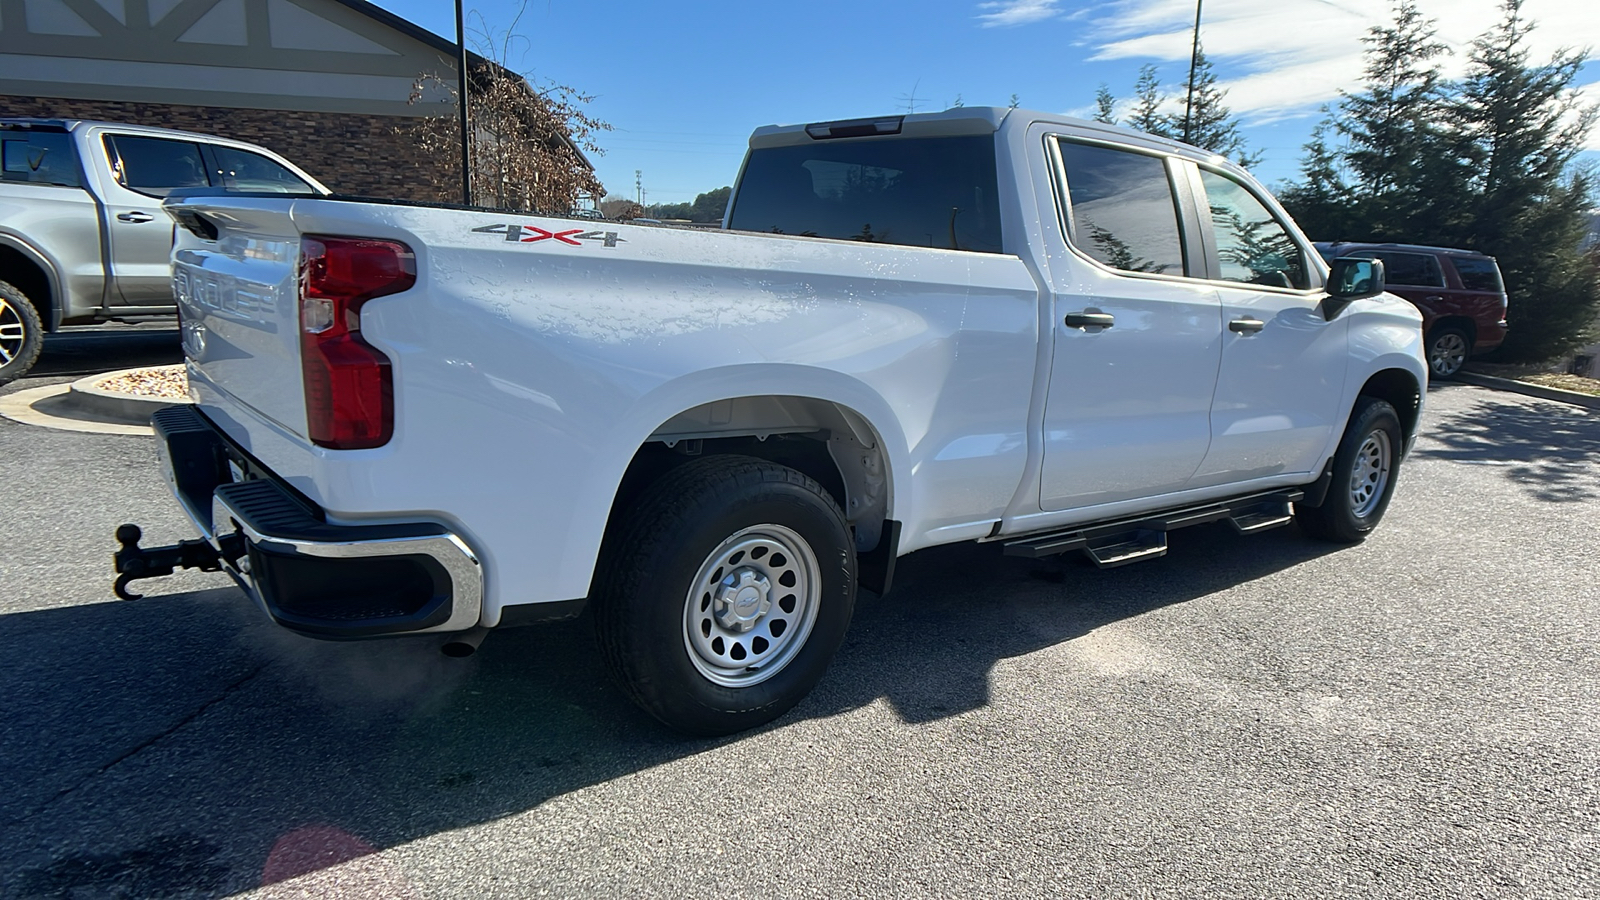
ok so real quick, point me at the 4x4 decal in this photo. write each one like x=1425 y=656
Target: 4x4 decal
x=529 y=234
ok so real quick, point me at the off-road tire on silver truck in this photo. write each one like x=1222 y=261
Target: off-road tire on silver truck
x=21 y=334
x=1364 y=470
x=723 y=593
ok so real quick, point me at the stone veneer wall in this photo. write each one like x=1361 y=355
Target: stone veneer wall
x=348 y=152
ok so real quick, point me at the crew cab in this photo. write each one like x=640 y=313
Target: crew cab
x=82 y=235
x=976 y=325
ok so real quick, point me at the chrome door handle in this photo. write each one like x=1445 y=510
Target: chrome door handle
x=1246 y=326
x=1433 y=299
x=1090 y=320
x=135 y=217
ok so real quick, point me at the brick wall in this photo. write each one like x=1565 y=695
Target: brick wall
x=348 y=152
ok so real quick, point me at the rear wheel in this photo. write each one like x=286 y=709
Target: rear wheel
x=1364 y=470
x=724 y=593
x=1448 y=349
x=21 y=334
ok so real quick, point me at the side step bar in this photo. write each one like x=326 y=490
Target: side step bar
x=1132 y=540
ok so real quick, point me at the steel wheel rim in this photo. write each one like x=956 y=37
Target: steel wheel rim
x=1370 y=474
x=754 y=580
x=13 y=332
x=1449 y=353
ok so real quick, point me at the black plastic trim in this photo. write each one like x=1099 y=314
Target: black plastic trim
x=875 y=568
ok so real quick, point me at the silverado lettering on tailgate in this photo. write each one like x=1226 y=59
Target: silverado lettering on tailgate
x=529 y=234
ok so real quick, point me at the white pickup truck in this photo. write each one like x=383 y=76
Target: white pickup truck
x=981 y=324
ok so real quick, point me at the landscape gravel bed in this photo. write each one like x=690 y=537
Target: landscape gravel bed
x=157 y=382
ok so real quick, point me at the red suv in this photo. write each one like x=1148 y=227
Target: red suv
x=1462 y=298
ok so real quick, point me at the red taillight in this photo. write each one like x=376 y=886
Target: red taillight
x=349 y=391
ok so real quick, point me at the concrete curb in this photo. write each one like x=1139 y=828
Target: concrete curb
x=126 y=409
x=38 y=406
x=81 y=406
x=1531 y=390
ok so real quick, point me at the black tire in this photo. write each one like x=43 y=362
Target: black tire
x=21 y=334
x=1357 y=499
x=685 y=531
x=1449 y=346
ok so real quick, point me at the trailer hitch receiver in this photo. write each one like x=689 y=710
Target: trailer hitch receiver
x=134 y=562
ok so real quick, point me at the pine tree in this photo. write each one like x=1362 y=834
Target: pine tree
x=1147 y=115
x=1105 y=105
x=1398 y=173
x=1322 y=201
x=1524 y=127
x=1208 y=123
x=1486 y=164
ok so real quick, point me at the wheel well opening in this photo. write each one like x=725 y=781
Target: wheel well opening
x=25 y=275
x=1463 y=323
x=827 y=442
x=1400 y=389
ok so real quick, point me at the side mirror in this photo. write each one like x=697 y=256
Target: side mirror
x=1351 y=278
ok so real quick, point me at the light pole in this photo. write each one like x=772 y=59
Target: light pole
x=461 y=104
x=1194 y=61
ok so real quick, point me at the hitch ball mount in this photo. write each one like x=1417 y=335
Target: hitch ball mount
x=134 y=562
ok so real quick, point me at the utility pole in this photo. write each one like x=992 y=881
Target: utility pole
x=638 y=185
x=1194 y=61
x=461 y=104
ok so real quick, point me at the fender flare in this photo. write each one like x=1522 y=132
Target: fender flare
x=53 y=310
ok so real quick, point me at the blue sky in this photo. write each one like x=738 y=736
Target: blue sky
x=684 y=84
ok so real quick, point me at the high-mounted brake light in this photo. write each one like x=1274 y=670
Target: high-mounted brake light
x=822 y=131
x=349 y=389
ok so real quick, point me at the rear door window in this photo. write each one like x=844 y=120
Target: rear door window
x=241 y=170
x=1478 y=273
x=1124 y=211
x=1253 y=247
x=40 y=157
x=919 y=192
x=157 y=166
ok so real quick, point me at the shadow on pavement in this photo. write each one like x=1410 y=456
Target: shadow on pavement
x=79 y=353
x=1547 y=449
x=182 y=746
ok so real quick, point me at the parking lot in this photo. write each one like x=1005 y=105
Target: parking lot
x=1418 y=715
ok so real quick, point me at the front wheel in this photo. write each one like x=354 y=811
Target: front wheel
x=724 y=593
x=21 y=334
x=1364 y=470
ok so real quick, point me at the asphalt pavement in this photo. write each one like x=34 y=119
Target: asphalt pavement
x=1261 y=716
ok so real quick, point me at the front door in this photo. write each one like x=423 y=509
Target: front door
x=1136 y=341
x=1278 y=393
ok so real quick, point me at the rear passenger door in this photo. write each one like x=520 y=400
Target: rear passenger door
x=1283 y=368
x=144 y=171
x=1136 y=339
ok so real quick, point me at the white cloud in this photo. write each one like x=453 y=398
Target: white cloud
x=1284 y=58
x=1007 y=13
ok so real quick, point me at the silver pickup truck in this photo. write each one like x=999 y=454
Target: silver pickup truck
x=82 y=235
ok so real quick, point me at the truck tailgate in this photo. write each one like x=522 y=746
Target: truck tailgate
x=238 y=299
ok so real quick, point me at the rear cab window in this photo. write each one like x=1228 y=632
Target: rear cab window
x=939 y=192
x=40 y=157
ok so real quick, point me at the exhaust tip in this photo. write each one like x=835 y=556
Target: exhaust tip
x=463 y=645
